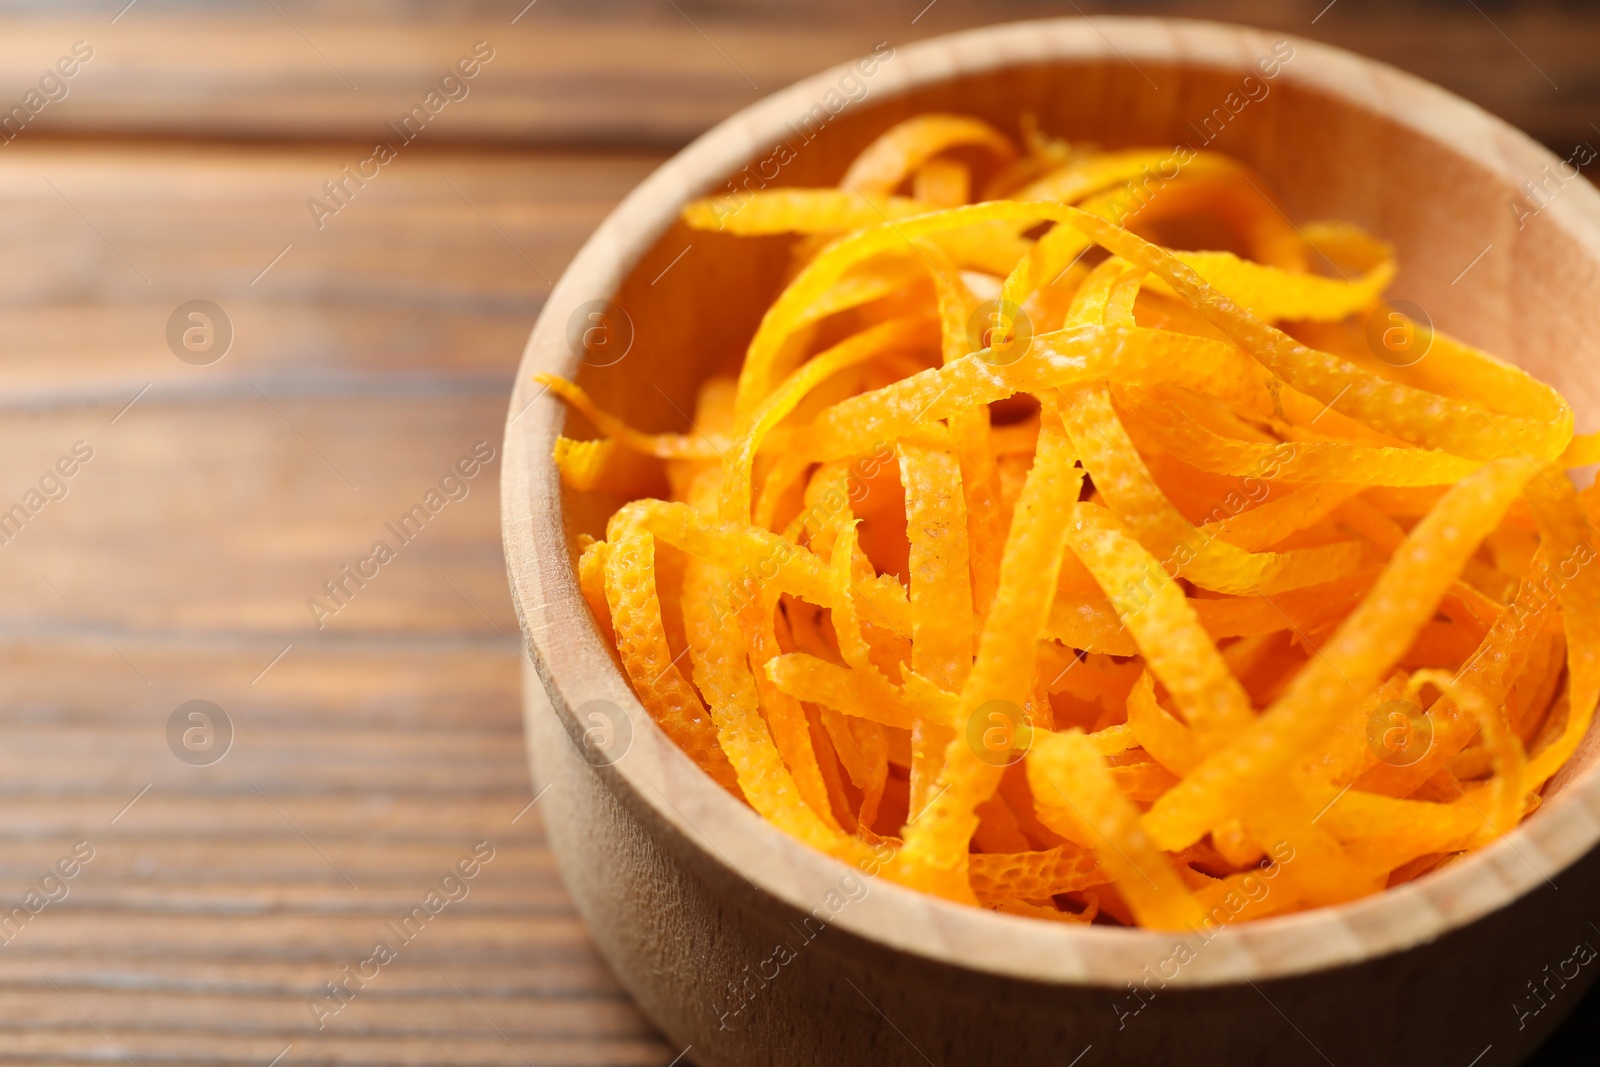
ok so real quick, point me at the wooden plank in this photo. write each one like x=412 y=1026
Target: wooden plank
x=162 y=468
x=342 y=340
x=272 y=859
x=369 y=681
x=578 y=978
x=636 y=72
x=369 y=755
x=483 y=1048
x=481 y=939
x=337 y=760
x=269 y=893
x=427 y=283
x=541 y=1018
x=658 y=80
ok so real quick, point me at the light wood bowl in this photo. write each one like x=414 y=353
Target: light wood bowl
x=688 y=894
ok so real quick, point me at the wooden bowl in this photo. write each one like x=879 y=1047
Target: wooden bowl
x=752 y=949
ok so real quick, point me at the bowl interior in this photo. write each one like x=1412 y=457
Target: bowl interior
x=1330 y=135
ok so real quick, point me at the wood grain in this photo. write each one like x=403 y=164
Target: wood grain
x=375 y=752
x=384 y=746
x=630 y=72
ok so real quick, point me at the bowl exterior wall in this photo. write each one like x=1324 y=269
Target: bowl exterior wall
x=742 y=979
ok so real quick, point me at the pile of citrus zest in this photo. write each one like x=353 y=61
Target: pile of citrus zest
x=1045 y=562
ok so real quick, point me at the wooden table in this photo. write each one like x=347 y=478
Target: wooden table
x=377 y=746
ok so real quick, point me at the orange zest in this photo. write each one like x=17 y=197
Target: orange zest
x=1094 y=578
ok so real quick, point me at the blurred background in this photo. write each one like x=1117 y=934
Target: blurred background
x=356 y=739
x=656 y=73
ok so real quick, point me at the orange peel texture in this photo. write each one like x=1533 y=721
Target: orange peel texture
x=1048 y=564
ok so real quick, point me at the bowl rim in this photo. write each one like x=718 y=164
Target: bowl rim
x=575 y=665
